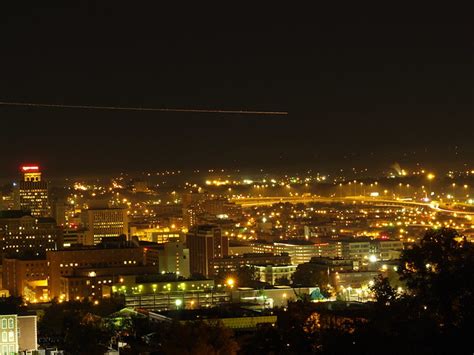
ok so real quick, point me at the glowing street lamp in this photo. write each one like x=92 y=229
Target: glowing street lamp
x=230 y=282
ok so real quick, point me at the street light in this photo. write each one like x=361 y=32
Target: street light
x=230 y=282
x=430 y=178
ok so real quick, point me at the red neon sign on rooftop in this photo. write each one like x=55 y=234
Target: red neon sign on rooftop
x=27 y=168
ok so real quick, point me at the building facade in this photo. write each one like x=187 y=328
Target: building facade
x=21 y=232
x=174 y=257
x=33 y=192
x=104 y=223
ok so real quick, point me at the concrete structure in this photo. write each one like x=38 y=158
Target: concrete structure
x=104 y=223
x=33 y=192
x=205 y=243
x=161 y=301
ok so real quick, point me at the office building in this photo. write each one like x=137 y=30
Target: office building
x=104 y=223
x=205 y=243
x=33 y=192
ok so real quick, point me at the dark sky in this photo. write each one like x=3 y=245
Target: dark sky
x=361 y=89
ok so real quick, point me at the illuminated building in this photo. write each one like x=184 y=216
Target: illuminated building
x=20 y=232
x=33 y=192
x=96 y=282
x=155 y=235
x=229 y=264
x=174 y=257
x=302 y=251
x=355 y=248
x=205 y=243
x=104 y=223
x=180 y=299
x=388 y=249
x=99 y=261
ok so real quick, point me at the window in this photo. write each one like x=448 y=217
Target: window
x=4 y=323
x=4 y=336
x=11 y=336
x=11 y=323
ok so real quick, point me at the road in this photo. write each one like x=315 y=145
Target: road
x=268 y=201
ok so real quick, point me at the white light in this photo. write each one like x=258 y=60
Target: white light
x=372 y=258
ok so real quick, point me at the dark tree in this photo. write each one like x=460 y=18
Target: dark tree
x=384 y=293
x=307 y=275
x=439 y=275
x=282 y=281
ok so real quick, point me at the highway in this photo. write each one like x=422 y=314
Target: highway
x=268 y=201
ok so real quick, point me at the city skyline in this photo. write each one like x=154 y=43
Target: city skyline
x=236 y=180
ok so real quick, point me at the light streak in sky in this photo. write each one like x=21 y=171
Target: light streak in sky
x=121 y=108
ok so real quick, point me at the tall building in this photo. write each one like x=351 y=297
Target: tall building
x=33 y=192
x=205 y=243
x=20 y=233
x=104 y=223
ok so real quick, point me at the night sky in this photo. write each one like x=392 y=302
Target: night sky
x=361 y=90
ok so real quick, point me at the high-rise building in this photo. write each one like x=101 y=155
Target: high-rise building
x=33 y=192
x=104 y=223
x=20 y=232
x=205 y=243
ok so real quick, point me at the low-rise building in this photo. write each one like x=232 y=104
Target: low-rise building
x=220 y=266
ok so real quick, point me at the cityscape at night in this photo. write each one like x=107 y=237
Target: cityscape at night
x=178 y=182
